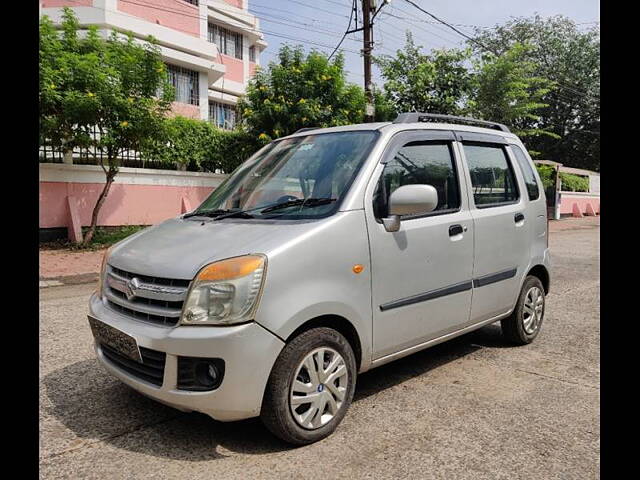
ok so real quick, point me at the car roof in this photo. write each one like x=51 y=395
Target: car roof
x=391 y=128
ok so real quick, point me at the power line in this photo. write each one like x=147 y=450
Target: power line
x=419 y=28
x=353 y=7
x=471 y=39
x=433 y=24
x=258 y=10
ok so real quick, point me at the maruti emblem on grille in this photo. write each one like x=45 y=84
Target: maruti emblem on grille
x=131 y=287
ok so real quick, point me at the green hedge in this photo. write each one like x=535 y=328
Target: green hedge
x=570 y=181
x=547 y=175
x=574 y=183
x=197 y=145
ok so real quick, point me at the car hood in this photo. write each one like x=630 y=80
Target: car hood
x=179 y=248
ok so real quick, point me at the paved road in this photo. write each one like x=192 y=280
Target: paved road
x=470 y=408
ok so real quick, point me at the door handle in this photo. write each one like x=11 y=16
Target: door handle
x=519 y=217
x=455 y=230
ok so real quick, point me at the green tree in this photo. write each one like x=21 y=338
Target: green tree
x=438 y=82
x=111 y=85
x=571 y=59
x=300 y=91
x=506 y=90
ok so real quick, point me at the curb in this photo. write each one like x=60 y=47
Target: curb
x=81 y=279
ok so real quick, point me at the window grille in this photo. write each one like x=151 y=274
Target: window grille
x=252 y=53
x=222 y=115
x=185 y=82
x=228 y=42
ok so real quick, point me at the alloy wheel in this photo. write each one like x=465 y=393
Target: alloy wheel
x=318 y=388
x=533 y=310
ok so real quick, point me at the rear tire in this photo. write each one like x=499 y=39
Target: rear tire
x=296 y=377
x=523 y=325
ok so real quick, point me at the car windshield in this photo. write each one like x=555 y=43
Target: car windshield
x=300 y=177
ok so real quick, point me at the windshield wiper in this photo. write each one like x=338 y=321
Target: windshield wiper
x=205 y=213
x=303 y=202
x=236 y=213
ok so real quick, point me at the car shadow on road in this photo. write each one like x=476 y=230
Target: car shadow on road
x=96 y=406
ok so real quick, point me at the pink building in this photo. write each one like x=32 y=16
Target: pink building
x=210 y=46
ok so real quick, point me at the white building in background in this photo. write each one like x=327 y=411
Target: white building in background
x=211 y=47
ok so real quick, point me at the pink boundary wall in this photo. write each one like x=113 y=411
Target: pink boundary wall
x=68 y=194
x=125 y=204
x=579 y=205
x=181 y=16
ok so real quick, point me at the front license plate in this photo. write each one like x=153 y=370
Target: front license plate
x=119 y=341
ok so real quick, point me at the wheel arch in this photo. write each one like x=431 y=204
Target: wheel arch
x=338 y=323
x=541 y=272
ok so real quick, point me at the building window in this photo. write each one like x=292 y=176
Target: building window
x=192 y=2
x=186 y=84
x=222 y=115
x=228 y=42
x=252 y=53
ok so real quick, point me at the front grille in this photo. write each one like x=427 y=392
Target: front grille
x=146 y=317
x=171 y=282
x=149 y=301
x=142 y=297
x=151 y=369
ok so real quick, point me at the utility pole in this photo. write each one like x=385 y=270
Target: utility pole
x=367 y=44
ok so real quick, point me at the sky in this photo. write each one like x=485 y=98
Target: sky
x=320 y=24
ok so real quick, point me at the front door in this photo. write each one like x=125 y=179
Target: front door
x=421 y=274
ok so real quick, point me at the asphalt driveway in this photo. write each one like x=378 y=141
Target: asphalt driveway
x=470 y=408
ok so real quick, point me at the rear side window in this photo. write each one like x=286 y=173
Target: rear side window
x=419 y=162
x=492 y=176
x=527 y=172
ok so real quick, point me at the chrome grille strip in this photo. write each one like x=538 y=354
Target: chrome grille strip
x=147 y=290
x=150 y=309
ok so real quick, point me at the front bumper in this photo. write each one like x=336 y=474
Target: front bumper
x=249 y=352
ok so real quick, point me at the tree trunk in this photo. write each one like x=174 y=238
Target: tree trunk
x=67 y=157
x=96 y=210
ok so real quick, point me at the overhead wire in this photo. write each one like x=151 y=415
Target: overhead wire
x=346 y=32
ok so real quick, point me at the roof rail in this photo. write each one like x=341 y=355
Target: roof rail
x=305 y=129
x=415 y=117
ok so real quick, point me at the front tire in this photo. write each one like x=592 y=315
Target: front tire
x=523 y=325
x=310 y=387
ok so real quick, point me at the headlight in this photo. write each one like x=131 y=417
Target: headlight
x=225 y=292
x=103 y=270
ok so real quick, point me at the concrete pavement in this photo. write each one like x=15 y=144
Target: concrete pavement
x=472 y=408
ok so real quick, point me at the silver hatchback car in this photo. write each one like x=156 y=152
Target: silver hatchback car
x=327 y=253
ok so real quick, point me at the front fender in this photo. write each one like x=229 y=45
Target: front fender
x=314 y=276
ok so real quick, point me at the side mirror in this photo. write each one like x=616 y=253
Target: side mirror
x=409 y=200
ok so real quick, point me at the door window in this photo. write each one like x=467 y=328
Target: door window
x=492 y=176
x=418 y=162
x=527 y=173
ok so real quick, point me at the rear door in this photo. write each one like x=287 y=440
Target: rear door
x=421 y=274
x=502 y=247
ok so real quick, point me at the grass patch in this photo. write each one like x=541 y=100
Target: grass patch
x=103 y=238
